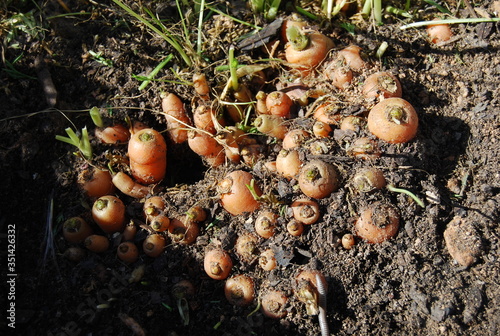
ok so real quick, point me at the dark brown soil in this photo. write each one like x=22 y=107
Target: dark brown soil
x=407 y=285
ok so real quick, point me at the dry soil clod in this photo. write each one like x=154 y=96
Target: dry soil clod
x=462 y=241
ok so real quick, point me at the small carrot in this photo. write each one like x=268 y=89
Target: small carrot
x=95 y=182
x=177 y=119
x=109 y=213
x=200 y=84
x=127 y=186
x=116 y=134
x=147 y=151
x=306 y=50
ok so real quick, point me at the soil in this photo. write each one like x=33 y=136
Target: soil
x=409 y=284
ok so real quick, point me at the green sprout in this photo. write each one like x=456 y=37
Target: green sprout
x=13 y=72
x=268 y=8
x=99 y=58
x=233 y=64
x=406 y=192
x=167 y=306
x=83 y=143
x=438 y=6
x=147 y=79
x=96 y=117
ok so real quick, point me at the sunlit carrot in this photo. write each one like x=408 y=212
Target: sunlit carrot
x=147 y=151
x=126 y=185
x=176 y=117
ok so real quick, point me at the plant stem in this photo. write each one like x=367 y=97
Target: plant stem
x=200 y=24
x=155 y=71
x=449 y=21
x=377 y=11
x=406 y=192
x=233 y=64
x=96 y=117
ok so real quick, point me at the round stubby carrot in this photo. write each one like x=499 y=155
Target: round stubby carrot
x=279 y=103
x=176 y=117
x=147 y=151
x=318 y=179
x=76 y=229
x=96 y=182
x=306 y=50
x=377 y=223
x=439 y=32
x=393 y=120
x=351 y=57
x=183 y=230
x=236 y=197
x=217 y=264
x=109 y=213
x=382 y=84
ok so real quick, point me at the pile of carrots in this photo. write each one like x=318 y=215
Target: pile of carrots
x=288 y=128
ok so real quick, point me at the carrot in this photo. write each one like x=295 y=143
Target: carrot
x=295 y=138
x=201 y=87
x=393 y=120
x=306 y=50
x=96 y=243
x=350 y=56
x=183 y=231
x=235 y=196
x=321 y=130
x=126 y=185
x=177 y=119
x=288 y=163
x=329 y=113
x=274 y=304
x=147 y=151
x=382 y=84
x=109 y=213
x=439 y=32
x=239 y=290
x=279 y=103
x=217 y=264
x=203 y=144
x=205 y=118
x=271 y=125
x=115 y=134
x=76 y=229
x=96 y=182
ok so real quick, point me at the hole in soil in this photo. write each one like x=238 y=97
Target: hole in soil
x=183 y=165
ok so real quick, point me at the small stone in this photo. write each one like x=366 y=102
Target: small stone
x=462 y=241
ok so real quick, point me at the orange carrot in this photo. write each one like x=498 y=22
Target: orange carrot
x=177 y=119
x=147 y=151
x=127 y=186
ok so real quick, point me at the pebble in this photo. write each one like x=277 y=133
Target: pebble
x=462 y=241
